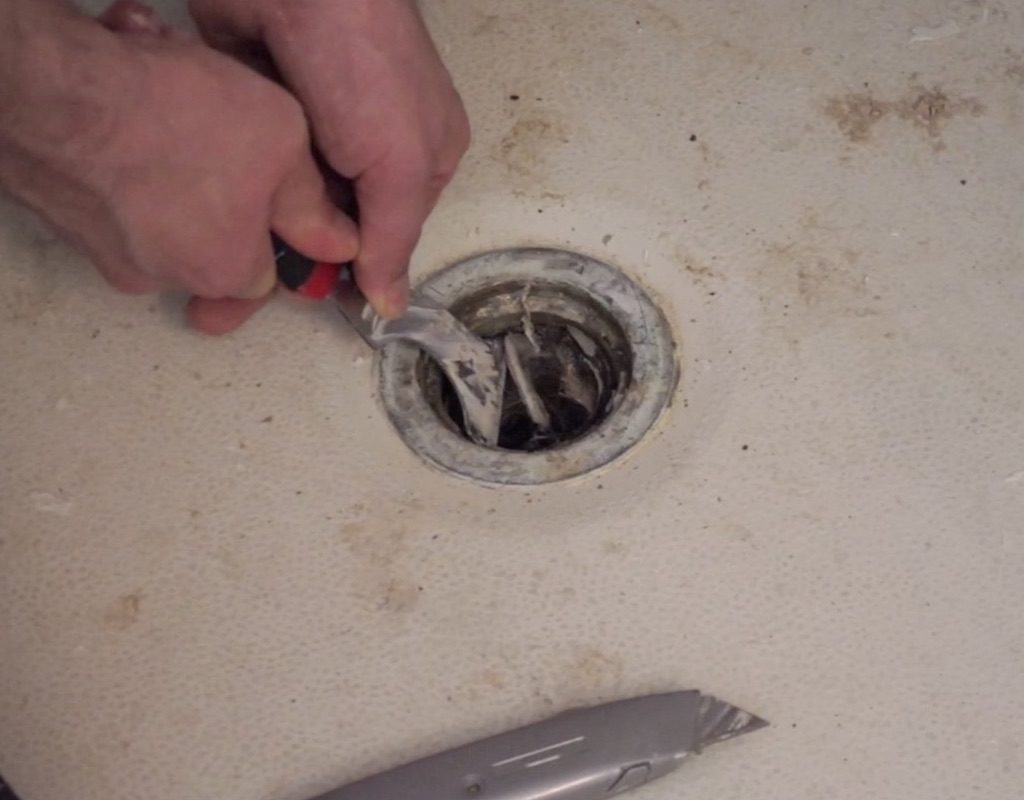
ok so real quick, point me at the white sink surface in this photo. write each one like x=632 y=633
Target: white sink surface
x=224 y=576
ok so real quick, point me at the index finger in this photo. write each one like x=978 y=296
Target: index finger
x=394 y=201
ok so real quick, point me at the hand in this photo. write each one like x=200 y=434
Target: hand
x=382 y=106
x=167 y=162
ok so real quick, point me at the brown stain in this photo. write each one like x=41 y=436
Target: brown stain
x=650 y=13
x=487 y=25
x=124 y=611
x=699 y=270
x=526 y=147
x=554 y=197
x=493 y=679
x=399 y=596
x=701 y=274
x=928 y=110
x=228 y=563
x=856 y=114
x=593 y=669
x=1014 y=67
x=816 y=279
x=375 y=544
x=380 y=576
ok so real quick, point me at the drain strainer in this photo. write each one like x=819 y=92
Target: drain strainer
x=591 y=362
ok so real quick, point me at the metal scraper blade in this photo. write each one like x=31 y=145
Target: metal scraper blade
x=718 y=721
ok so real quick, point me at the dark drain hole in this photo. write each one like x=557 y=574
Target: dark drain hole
x=569 y=420
x=575 y=378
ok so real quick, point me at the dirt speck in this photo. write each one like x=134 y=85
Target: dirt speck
x=606 y=238
x=124 y=611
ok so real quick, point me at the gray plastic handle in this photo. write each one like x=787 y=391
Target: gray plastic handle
x=583 y=754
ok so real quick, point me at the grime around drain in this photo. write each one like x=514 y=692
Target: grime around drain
x=561 y=382
x=589 y=365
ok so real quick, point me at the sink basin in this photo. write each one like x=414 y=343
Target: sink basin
x=225 y=575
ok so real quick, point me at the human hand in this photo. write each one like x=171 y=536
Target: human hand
x=382 y=106
x=167 y=163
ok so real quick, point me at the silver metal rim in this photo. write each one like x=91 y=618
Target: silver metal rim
x=655 y=371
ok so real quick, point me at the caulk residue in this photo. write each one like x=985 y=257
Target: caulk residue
x=475 y=367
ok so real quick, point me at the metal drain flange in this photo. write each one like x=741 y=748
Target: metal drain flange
x=592 y=362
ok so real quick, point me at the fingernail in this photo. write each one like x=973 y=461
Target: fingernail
x=261 y=287
x=393 y=301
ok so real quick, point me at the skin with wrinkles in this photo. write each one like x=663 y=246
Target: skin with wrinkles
x=168 y=161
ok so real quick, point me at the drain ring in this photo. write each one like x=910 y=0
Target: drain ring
x=647 y=382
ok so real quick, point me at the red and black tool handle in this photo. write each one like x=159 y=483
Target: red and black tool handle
x=303 y=275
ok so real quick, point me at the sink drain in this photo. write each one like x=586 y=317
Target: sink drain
x=569 y=361
x=591 y=366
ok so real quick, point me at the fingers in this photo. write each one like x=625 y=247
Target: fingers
x=131 y=283
x=112 y=263
x=261 y=285
x=395 y=198
x=393 y=204
x=217 y=317
x=304 y=216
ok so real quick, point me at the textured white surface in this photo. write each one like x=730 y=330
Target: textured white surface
x=224 y=576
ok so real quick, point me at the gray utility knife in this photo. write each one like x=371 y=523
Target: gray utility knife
x=583 y=754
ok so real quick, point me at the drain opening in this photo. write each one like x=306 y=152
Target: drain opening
x=574 y=362
x=591 y=359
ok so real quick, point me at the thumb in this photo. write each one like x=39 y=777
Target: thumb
x=303 y=215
